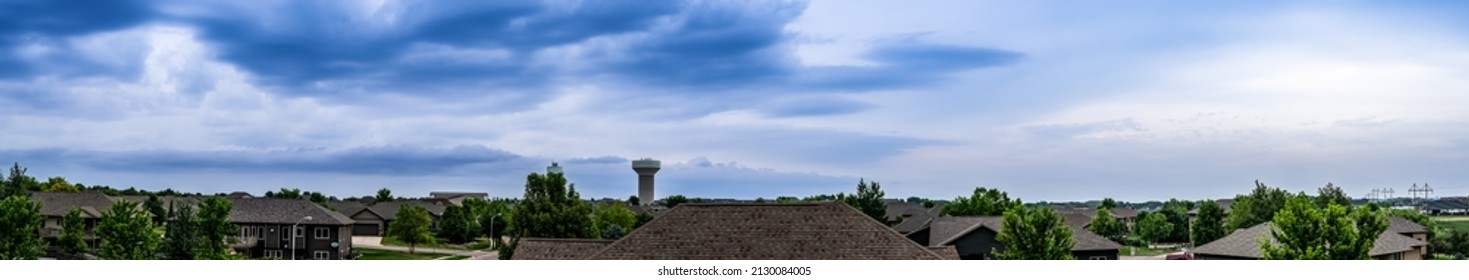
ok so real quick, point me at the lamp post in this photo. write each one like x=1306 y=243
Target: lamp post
x=494 y=239
x=293 y=235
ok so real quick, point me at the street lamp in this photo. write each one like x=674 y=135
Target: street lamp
x=494 y=240
x=293 y=235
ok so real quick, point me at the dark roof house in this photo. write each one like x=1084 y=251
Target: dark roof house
x=974 y=238
x=743 y=231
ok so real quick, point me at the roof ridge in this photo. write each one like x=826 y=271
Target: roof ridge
x=890 y=229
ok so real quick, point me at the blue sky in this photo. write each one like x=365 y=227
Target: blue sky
x=1048 y=100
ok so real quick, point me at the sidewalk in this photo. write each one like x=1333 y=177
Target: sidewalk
x=375 y=243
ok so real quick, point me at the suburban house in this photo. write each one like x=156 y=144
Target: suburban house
x=746 y=231
x=1445 y=206
x=1127 y=216
x=457 y=198
x=266 y=225
x=55 y=205
x=373 y=220
x=1402 y=240
x=973 y=238
x=908 y=217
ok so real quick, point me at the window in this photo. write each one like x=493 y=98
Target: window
x=300 y=230
x=1397 y=256
x=283 y=234
x=273 y=254
x=323 y=233
x=321 y=255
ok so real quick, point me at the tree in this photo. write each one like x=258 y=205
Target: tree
x=288 y=193
x=383 y=195
x=20 y=221
x=551 y=208
x=18 y=184
x=1033 y=234
x=869 y=200
x=643 y=219
x=156 y=212
x=1155 y=227
x=1209 y=224
x=928 y=204
x=633 y=200
x=493 y=216
x=675 y=200
x=411 y=226
x=318 y=198
x=614 y=215
x=59 y=184
x=215 y=228
x=127 y=233
x=1305 y=232
x=1108 y=203
x=787 y=199
x=1176 y=211
x=1105 y=225
x=459 y=224
x=181 y=235
x=73 y=234
x=983 y=202
x=1331 y=194
x=1257 y=207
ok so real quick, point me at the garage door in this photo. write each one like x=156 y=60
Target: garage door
x=364 y=229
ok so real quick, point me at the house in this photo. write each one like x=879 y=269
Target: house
x=265 y=229
x=746 y=231
x=1402 y=240
x=908 y=217
x=55 y=205
x=1446 y=206
x=373 y=219
x=1127 y=216
x=973 y=237
x=457 y=198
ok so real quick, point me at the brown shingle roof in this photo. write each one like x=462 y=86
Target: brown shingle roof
x=1403 y=226
x=56 y=204
x=557 y=248
x=283 y=211
x=946 y=252
x=819 y=231
x=1242 y=243
x=389 y=210
x=946 y=230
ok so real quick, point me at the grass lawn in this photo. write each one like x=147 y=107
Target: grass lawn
x=1451 y=218
x=370 y=254
x=1459 y=225
x=390 y=241
x=457 y=258
x=1145 y=251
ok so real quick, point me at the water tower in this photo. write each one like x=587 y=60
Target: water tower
x=554 y=168
x=646 y=168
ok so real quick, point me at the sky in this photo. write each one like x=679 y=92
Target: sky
x=1046 y=100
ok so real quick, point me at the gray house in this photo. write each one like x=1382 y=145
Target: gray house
x=1402 y=240
x=266 y=225
x=973 y=237
x=373 y=220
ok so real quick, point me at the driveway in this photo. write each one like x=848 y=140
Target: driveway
x=376 y=243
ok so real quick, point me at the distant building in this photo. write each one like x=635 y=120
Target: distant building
x=457 y=198
x=973 y=238
x=1402 y=240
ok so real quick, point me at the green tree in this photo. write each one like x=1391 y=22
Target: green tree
x=127 y=233
x=1209 y=224
x=787 y=199
x=983 y=202
x=1305 y=232
x=869 y=200
x=73 y=234
x=1331 y=194
x=383 y=195
x=20 y=223
x=155 y=209
x=459 y=224
x=551 y=208
x=59 y=184
x=614 y=215
x=181 y=235
x=411 y=226
x=493 y=216
x=1155 y=227
x=1033 y=234
x=1257 y=207
x=1176 y=212
x=288 y=193
x=318 y=198
x=1105 y=225
x=633 y=200
x=675 y=200
x=1108 y=203
x=18 y=184
x=643 y=219
x=215 y=228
